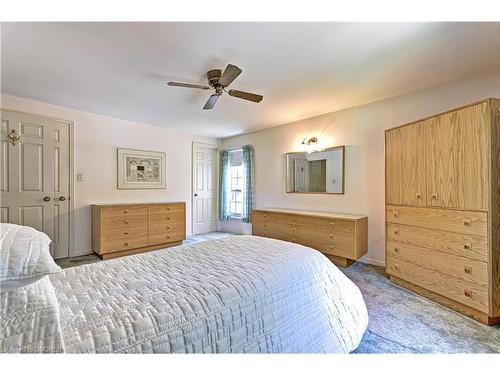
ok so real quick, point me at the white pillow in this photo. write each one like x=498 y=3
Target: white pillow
x=24 y=256
x=30 y=320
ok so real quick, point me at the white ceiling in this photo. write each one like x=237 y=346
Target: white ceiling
x=302 y=69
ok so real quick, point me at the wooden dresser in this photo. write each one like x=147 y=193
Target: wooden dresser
x=342 y=238
x=443 y=208
x=125 y=229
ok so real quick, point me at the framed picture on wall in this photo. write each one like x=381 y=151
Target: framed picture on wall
x=139 y=169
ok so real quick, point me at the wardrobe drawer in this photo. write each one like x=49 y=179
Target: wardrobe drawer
x=337 y=248
x=109 y=223
x=166 y=227
x=295 y=238
x=466 y=222
x=294 y=229
x=448 y=242
x=469 y=294
x=264 y=232
x=158 y=238
x=123 y=233
x=258 y=216
x=344 y=237
x=336 y=225
x=264 y=225
x=466 y=269
x=123 y=244
x=170 y=217
x=123 y=211
x=294 y=219
x=166 y=208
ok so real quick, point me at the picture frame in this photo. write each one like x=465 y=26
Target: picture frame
x=141 y=169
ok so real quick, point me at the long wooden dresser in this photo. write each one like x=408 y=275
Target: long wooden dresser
x=342 y=238
x=126 y=229
x=443 y=208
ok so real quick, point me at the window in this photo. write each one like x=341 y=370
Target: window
x=236 y=183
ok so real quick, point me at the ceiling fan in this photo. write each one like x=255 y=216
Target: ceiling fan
x=219 y=81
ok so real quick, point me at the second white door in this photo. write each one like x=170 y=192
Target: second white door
x=204 y=188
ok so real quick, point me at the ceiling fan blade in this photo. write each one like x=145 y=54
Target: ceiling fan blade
x=188 y=85
x=211 y=101
x=229 y=75
x=246 y=95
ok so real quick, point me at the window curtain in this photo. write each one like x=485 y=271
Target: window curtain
x=248 y=183
x=224 y=193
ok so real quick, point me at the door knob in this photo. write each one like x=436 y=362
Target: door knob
x=62 y=199
x=46 y=199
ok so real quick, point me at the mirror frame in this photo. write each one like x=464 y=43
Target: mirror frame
x=316 y=192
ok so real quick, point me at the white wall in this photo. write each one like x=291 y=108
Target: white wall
x=96 y=140
x=361 y=129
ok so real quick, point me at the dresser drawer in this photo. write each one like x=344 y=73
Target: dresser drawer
x=294 y=219
x=169 y=217
x=448 y=242
x=469 y=294
x=338 y=247
x=123 y=211
x=259 y=216
x=466 y=269
x=334 y=235
x=465 y=222
x=166 y=208
x=123 y=234
x=264 y=232
x=123 y=244
x=294 y=229
x=158 y=238
x=109 y=223
x=327 y=225
x=300 y=239
x=166 y=227
x=264 y=225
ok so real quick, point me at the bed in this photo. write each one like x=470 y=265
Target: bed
x=242 y=294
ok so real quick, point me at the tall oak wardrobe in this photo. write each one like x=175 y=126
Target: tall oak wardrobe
x=443 y=208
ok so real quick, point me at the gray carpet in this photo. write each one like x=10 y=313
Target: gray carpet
x=400 y=321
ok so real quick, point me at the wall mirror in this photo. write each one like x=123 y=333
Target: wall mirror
x=316 y=172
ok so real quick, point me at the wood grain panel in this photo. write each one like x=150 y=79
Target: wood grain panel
x=327 y=225
x=295 y=238
x=303 y=230
x=405 y=165
x=495 y=207
x=123 y=244
x=157 y=238
x=294 y=219
x=166 y=208
x=264 y=232
x=264 y=216
x=447 y=242
x=466 y=269
x=123 y=234
x=169 y=217
x=469 y=294
x=473 y=223
x=266 y=226
x=122 y=211
x=166 y=227
x=123 y=222
x=457 y=159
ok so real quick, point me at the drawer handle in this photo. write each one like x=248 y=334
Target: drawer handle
x=265 y=215
x=168 y=227
x=434 y=196
x=395 y=213
x=293 y=230
x=125 y=221
x=396 y=249
x=294 y=240
x=125 y=233
x=467 y=246
x=396 y=231
x=265 y=225
x=468 y=270
x=418 y=196
x=396 y=266
x=125 y=244
x=168 y=237
x=168 y=217
x=467 y=222
x=468 y=293
x=125 y=211
x=168 y=208
x=293 y=219
x=331 y=247
x=332 y=224
x=331 y=235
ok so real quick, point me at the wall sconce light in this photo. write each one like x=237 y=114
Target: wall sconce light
x=310 y=144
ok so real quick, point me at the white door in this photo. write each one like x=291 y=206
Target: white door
x=204 y=188
x=34 y=176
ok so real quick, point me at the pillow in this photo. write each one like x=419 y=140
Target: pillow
x=24 y=255
x=30 y=320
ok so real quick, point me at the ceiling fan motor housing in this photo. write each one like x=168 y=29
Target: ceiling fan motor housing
x=213 y=77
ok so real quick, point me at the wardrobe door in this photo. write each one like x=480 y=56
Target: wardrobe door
x=457 y=159
x=405 y=165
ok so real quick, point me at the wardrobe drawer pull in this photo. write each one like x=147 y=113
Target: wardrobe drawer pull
x=468 y=293
x=125 y=221
x=467 y=222
x=396 y=266
x=434 y=196
x=396 y=231
x=125 y=244
x=293 y=230
x=125 y=211
x=331 y=235
x=395 y=213
x=293 y=219
x=125 y=233
x=332 y=224
x=418 y=196
x=331 y=247
x=468 y=270
x=467 y=246
x=396 y=249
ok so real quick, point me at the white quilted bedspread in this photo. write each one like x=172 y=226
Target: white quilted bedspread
x=233 y=295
